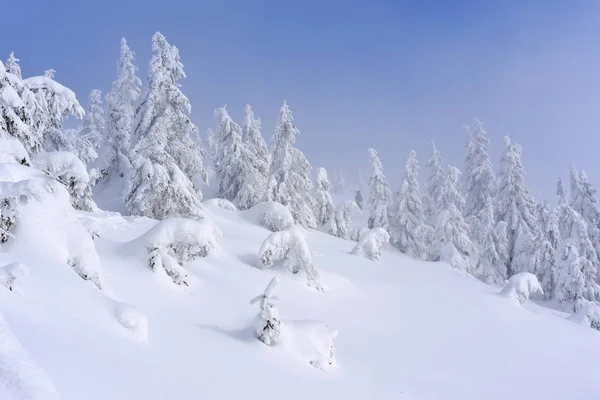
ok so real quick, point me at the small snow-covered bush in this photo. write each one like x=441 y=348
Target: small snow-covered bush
x=9 y=273
x=588 y=315
x=222 y=203
x=276 y=217
x=370 y=243
x=313 y=341
x=132 y=319
x=291 y=247
x=267 y=325
x=340 y=222
x=174 y=241
x=520 y=286
x=71 y=172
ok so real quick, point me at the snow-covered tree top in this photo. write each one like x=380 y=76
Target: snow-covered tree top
x=12 y=65
x=65 y=100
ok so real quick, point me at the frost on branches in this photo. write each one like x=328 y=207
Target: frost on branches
x=175 y=241
x=164 y=157
x=324 y=202
x=9 y=274
x=520 y=286
x=70 y=171
x=267 y=325
x=290 y=246
x=121 y=102
x=370 y=243
x=407 y=224
x=516 y=207
x=340 y=222
x=452 y=242
x=289 y=175
x=379 y=194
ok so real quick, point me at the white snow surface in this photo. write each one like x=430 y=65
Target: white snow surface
x=407 y=329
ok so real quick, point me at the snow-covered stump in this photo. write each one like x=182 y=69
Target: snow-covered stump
x=174 y=241
x=267 y=326
x=520 y=286
x=291 y=247
x=9 y=274
x=588 y=315
x=312 y=341
x=370 y=243
x=132 y=319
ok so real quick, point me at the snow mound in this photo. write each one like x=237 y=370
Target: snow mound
x=20 y=376
x=271 y=215
x=588 y=315
x=291 y=247
x=133 y=319
x=9 y=274
x=12 y=151
x=40 y=212
x=312 y=341
x=221 y=203
x=174 y=241
x=520 y=286
x=370 y=243
x=267 y=326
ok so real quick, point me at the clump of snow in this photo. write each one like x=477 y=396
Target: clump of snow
x=370 y=243
x=272 y=215
x=65 y=97
x=588 y=315
x=267 y=325
x=357 y=234
x=313 y=341
x=12 y=151
x=20 y=376
x=222 y=203
x=9 y=274
x=174 y=241
x=291 y=247
x=520 y=286
x=133 y=319
x=65 y=167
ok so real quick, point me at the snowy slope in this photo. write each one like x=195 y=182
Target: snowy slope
x=407 y=329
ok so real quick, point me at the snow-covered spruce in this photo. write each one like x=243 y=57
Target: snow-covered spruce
x=588 y=315
x=520 y=286
x=9 y=274
x=267 y=325
x=379 y=194
x=493 y=253
x=291 y=247
x=93 y=131
x=70 y=171
x=165 y=160
x=370 y=243
x=408 y=230
x=133 y=319
x=259 y=158
x=289 y=174
x=323 y=200
x=340 y=221
x=173 y=241
x=435 y=179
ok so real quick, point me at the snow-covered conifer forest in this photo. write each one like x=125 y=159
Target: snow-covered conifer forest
x=144 y=259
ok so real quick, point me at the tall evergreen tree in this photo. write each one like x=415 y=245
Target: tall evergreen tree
x=14 y=120
x=323 y=200
x=289 y=174
x=231 y=166
x=257 y=160
x=516 y=207
x=379 y=194
x=407 y=225
x=12 y=66
x=121 y=102
x=560 y=192
x=435 y=178
x=491 y=265
x=93 y=128
x=164 y=157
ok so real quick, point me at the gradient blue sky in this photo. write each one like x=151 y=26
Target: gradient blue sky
x=385 y=74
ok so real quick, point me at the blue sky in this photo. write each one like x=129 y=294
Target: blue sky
x=385 y=74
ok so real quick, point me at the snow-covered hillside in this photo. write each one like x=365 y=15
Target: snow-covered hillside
x=407 y=329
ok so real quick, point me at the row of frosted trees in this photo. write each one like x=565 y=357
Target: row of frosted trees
x=489 y=224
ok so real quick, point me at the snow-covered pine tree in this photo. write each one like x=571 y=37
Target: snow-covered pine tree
x=435 y=178
x=324 y=202
x=255 y=143
x=340 y=220
x=121 y=102
x=164 y=157
x=478 y=181
x=93 y=129
x=516 y=207
x=451 y=240
x=289 y=174
x=379 y=194
x=12 y=65
x=491 y=266
x=560 y=192
x=408 y=230
x=584 y=202
x=232 y=164
x=14 y=121
x=546 y=264
x=213 y=145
